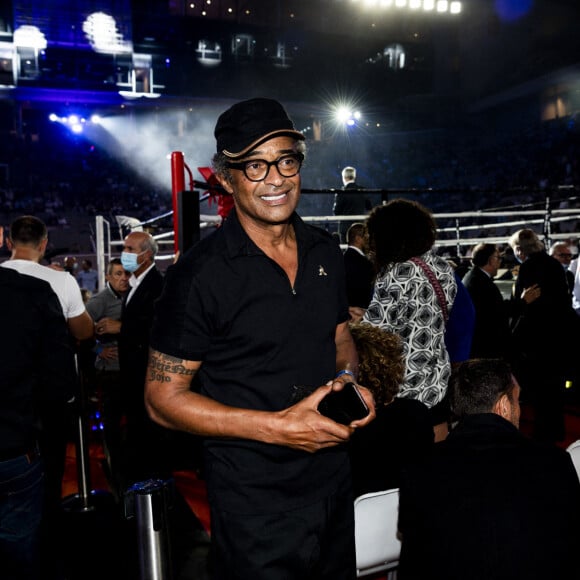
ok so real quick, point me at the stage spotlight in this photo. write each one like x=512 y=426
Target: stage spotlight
x=346 y=116
x=28 y=36
x=103 y=35
x=441 y=6
x=52 y=117
x=95 y=119
x=342 y=114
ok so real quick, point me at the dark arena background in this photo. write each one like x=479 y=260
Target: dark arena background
x=467 y=106
x=471 y=107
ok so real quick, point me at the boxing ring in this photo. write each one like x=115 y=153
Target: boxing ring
x=458 y=232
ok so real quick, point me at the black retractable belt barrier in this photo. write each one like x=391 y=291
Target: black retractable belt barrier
x=148 y=502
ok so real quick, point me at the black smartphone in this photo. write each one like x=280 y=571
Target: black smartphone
x=344 y=406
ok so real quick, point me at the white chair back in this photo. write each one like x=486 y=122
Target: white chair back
x=574 y=450
x=377 y=545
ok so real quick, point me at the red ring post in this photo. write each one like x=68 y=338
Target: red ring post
x=177 y=186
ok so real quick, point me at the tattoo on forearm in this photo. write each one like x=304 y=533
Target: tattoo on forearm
x=162 y=365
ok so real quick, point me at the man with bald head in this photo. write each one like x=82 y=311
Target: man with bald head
x=145 y=283
x=562 y=252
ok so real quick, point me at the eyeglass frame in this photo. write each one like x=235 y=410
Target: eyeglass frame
x=241 y=165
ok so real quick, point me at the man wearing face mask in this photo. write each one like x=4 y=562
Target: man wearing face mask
x=146 y=281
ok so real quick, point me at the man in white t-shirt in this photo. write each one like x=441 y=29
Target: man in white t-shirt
x=27 y=242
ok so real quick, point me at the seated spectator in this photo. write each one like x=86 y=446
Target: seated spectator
x=489 y=503
x=402 y=430
x=88 y=278
x=70 y=265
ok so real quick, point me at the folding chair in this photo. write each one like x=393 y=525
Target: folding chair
x=377 y=545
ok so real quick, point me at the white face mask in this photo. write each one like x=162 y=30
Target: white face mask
x=129 y=261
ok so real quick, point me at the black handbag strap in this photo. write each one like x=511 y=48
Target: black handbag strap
x=436 y=286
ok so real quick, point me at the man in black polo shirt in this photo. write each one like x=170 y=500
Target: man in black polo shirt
x=252 y=311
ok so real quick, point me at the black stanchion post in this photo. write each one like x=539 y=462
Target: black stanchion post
x=85 y=499
x=90 y=516
x=148 y=502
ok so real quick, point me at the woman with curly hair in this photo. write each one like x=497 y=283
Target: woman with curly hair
x=402 y=430
x=414 y=292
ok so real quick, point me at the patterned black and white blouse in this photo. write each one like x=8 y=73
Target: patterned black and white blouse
x=404 y=302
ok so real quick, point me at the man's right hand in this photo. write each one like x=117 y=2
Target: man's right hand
x=108 y=326
x=302 y=427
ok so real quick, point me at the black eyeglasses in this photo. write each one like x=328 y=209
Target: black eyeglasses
x=258 y=169
x=565 y=255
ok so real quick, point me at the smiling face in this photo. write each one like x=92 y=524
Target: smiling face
x=271 y=201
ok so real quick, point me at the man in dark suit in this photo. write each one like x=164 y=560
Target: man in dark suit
x=561 y=251
x=489 y=503
x=143 y=456
x=350 y=201
x=359 y=271
x=544 y=334
x=491 y=335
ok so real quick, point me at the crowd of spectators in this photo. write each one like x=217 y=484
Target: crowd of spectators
x=72 y=181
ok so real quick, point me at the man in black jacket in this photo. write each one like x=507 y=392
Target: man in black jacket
x=36 y=369
x=491 y=335
x=544 y=333
x=350 y=201
x=359 y=271
x=489 y=504
x=144 y=457
x=562 y=252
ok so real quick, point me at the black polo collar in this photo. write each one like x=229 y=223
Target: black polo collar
x=238 y=242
